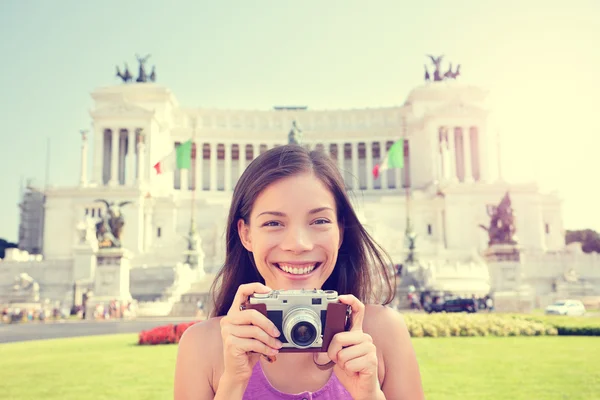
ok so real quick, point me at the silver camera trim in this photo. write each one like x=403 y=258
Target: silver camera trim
x=287 y=301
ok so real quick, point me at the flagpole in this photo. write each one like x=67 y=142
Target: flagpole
x=191 y=258
x=194 y=146
x=409 y=235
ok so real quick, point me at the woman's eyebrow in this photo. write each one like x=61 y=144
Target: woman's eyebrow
x=280 y=214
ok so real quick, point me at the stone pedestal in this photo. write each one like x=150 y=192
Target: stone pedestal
x=25 y=290
x=510 y=293
x=84 y=262
x=111 y=281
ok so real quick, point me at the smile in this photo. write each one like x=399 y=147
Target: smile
x=298 y=269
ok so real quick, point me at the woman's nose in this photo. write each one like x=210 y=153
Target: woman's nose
x=297 y=240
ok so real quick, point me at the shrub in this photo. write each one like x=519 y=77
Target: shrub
x=565 y=325
x=165 y=334
x=462 y=324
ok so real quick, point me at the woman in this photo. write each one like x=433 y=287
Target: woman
x=291 y=226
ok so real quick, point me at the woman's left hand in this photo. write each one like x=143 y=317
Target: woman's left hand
x=355 y=355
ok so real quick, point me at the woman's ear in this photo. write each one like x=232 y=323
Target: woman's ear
x=244 y=234
x=341 y=225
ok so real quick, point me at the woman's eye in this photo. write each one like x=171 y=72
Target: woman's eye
x=321 y=221
x=271 y=223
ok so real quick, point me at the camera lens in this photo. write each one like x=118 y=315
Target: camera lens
x=303 y=334
x=302 y=327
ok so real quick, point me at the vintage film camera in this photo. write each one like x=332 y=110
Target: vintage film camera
x=307 y=319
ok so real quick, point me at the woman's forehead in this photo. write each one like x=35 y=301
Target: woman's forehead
x=296 y=193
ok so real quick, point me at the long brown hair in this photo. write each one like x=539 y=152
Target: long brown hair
x=362 y=267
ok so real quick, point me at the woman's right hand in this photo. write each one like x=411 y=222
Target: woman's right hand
x=246 y=334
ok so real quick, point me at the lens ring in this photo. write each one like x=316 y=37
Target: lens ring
x=301 y=316
x=304 y=333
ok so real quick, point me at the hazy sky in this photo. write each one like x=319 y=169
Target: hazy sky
x=540 y=59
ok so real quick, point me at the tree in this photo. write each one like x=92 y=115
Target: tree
x=589 y=239
x=5 y=244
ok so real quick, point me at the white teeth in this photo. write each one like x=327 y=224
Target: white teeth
x=297 y=271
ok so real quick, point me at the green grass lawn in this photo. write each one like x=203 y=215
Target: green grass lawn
x=483 y=368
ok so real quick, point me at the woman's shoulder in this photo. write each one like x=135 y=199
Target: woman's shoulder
x=200 y=352
x=204 y=338
x=203 y=333
x=199 y=360
x=383 y=323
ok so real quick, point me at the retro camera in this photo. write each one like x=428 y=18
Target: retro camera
x=307 y=319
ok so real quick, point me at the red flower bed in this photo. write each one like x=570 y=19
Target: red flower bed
x=166 y=334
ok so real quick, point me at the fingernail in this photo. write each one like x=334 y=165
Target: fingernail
x=278 y=344
x=276 y=332
x=273 y=352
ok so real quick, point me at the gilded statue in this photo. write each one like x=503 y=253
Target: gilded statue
x=501 y=229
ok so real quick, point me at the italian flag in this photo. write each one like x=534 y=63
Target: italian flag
x=393 y=159
x=180 y=158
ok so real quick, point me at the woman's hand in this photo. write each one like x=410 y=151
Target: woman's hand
x=246 y=335
x=355 y=355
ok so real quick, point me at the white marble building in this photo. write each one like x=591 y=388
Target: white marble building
x=448 y=167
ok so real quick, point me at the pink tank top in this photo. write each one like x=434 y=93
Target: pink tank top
x=260 y=388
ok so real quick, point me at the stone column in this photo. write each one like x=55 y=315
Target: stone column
x=355 y=172
x=122 y=177
x=482 y=154
x=340 y=160
x=369 y=164
x=438 y=154
x=227 y=162
x=131 y=146
x=114 y=157
x=452 y=155
x=467 y=154
x=255 y=150
x=84 y=163
x=199 y=183
x=340 y=156
x=213 y=166
x=241 y=159
x=98 y=162
x=383 y=175
x=141 y=151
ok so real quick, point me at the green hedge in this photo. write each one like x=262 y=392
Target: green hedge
x=490 y=324
x=462 y=324
x=567 y=326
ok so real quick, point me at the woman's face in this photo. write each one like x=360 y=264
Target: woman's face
x=293 y=233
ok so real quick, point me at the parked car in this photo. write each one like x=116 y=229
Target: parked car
x=454 y=305
x=566 y=307
x=461 y=305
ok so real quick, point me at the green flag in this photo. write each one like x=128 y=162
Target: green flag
x=184 y=155
x=393 y=159
x=180 y=158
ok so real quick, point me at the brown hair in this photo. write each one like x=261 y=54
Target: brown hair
x=363 y=268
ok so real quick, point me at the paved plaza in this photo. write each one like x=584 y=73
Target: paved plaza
x=53 y=330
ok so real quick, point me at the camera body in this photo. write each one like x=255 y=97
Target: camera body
x=307 y=319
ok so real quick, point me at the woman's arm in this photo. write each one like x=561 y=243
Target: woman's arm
x=195 y=355
x=402 y=379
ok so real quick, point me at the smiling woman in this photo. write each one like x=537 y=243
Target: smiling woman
x=291 y=227
x=296 y=245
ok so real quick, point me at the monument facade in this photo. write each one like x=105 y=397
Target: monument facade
x=448 y=164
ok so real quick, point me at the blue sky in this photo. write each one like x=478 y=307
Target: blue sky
x=540 y=60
